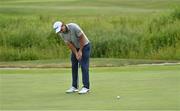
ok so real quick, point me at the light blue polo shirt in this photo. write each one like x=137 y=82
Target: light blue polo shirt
x=73 y=34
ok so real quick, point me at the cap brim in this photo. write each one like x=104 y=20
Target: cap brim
x=58 y=29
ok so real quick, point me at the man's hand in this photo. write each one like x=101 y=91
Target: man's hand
x=79 y=55
x=71 y=46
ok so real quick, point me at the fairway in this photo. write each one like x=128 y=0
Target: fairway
x=139 y=88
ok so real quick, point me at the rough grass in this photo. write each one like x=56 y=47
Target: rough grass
x=136 y=28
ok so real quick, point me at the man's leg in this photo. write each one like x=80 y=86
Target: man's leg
x=74 y=63
x=85 y=66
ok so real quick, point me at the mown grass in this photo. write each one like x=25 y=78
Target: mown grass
x=139 y=88
x=94 y=62
x=118 y=28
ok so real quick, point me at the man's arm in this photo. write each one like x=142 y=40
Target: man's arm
x=81 y=42
x=73 y=49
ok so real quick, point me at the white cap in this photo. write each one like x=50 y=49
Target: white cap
x=57 y=26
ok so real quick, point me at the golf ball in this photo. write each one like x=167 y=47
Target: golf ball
x=118 y=97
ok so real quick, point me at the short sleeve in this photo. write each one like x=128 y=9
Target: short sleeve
x=78 y=31
x=64 y=39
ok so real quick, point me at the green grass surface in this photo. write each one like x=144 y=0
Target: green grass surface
x=94 y=62
x=139 y=88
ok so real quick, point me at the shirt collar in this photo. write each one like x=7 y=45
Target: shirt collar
x=67 y=29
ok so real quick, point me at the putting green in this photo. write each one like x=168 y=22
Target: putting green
x=138 y=88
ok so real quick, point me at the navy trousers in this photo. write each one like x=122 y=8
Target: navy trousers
x=84 y=63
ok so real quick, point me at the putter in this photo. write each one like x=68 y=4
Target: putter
x=79 y=63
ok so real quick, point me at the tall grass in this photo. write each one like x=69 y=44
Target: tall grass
x=31 y=37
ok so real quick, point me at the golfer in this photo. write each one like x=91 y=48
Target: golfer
x=79 y=44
